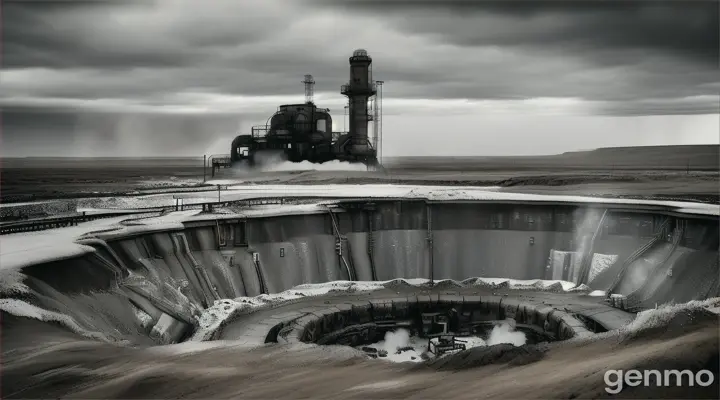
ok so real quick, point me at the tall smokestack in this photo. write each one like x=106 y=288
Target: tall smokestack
x=359 y=90
x=309 y=88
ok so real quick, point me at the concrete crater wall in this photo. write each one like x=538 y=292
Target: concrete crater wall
x=646 y=255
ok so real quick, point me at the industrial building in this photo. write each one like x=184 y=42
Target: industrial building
x=304 y=132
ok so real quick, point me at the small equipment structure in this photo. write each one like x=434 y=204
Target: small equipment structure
x=445 y=343
x=436 y=327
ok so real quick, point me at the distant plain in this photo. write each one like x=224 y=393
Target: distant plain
x=667 y=172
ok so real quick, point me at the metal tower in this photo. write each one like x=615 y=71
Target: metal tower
x=359 y=90
x=378 y=120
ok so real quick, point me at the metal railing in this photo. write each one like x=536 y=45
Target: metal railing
x=45 y=223
x=349 y=88
x=40 y=224
x=221 y=161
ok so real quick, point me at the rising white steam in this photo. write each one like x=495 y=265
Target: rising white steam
x=396 y=340
x=506 y=333
x=334 y=165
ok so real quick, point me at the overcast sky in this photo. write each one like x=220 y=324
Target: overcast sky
x=167 y=77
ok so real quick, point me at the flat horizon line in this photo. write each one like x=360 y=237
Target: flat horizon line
x=387 y=157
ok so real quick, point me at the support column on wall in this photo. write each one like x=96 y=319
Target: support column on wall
x=428 y=208
x=369 y=208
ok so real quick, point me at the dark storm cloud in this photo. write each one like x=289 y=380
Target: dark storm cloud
x=145 y=49
x=687 y=28
x=108 y=71
x=608 y=50
x=657 y=48
x=34 y=36
x=82 y=34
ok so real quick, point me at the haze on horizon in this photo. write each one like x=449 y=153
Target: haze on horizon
x=467 y=78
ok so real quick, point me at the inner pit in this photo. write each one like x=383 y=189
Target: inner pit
x=426 y=329
x=430 y=326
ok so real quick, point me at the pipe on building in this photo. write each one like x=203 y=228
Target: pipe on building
x=199 y=268
x=258 y=270
x=104 y=245
x=120 y=268
x=191 y=273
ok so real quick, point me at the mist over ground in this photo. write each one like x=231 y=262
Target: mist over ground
x=275 y=161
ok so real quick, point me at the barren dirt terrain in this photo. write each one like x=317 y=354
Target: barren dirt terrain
x=40 y=360
x=668 y=172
